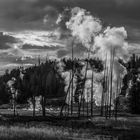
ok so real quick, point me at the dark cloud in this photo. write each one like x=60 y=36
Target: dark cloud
x=29 y=14
x=129 y=8
x=15 y=15
x=30 y=47
x=62 y=53
x=6 y=40
x=4 y=46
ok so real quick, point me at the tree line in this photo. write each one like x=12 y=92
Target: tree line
x=131 y=85
x=44 y=79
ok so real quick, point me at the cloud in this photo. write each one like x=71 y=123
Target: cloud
x=15 y=15
x=29 y=14
x=38 y=38
x=37 y=17
x=24 y=48
x=83 y=26
x=6 y=40
x=62 y=53
x=128 y=3
x=35 y=47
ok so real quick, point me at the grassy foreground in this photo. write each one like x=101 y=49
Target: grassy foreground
x=93 y=129
x=33 y=133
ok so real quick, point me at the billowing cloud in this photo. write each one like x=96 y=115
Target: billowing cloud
x=84 y=26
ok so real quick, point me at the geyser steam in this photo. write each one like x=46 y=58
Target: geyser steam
x=83 y=26
x=88 y=30
x=113 y=40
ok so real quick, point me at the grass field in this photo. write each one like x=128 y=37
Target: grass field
x=49 y=128
x=23 y=132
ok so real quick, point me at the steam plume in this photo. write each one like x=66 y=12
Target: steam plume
x=88 y=30
x=113 y=39
x=83 y=26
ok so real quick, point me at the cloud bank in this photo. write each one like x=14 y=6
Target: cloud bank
x=31 y=23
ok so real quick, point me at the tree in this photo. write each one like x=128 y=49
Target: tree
x=131 y=84
x=14 y=92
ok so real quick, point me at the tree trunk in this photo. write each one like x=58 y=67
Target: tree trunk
x=92 y=95
x=43 y=106
x=34 y=105
x=14 y=106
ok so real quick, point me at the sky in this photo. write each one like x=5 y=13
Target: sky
x=29 y=30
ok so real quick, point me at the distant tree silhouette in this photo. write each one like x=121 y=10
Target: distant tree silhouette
x=45 y=80
x=131 y=84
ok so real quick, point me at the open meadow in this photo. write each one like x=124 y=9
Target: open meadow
x=61 y=128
